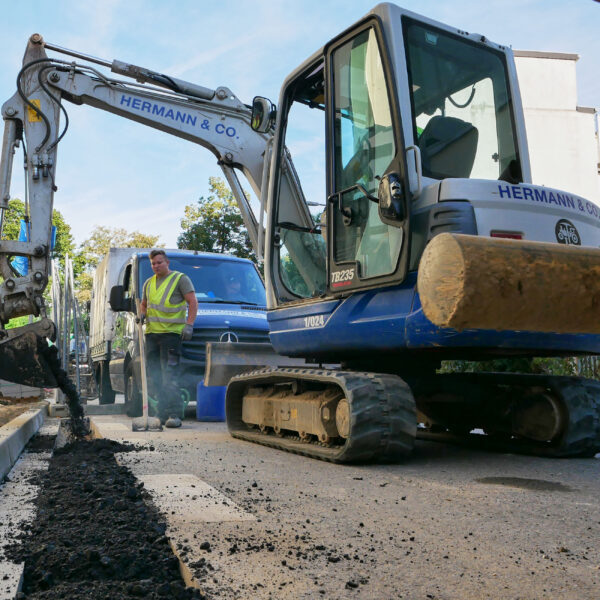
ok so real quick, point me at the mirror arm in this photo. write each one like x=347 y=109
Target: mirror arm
x=366 y=194
x=346 y=211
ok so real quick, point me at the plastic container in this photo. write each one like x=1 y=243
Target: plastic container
x=210 y=402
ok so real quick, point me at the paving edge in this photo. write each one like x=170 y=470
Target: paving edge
x=14 y=436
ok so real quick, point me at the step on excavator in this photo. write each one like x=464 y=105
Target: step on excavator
x=419 y=237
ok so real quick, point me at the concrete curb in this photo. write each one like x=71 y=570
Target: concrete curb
x=15 y=435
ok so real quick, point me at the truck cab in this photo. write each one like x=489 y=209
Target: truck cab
x=231 y=308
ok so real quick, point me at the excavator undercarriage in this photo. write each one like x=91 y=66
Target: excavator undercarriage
x=347 y=417
x=336 y=416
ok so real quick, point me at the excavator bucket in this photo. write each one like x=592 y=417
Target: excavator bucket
x=29 y=360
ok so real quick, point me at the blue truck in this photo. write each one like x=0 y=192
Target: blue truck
x=225 y=314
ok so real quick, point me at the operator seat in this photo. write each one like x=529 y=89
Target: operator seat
x=448 y=146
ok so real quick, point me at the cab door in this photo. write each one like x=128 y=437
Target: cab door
x=368 y=208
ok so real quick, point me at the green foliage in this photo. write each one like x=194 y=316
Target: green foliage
x=548 y=366
x=103 y=238
x=93 y=249
x=12 y=223
x=556 y=366
x=85 y=283
x=215 y=224
x=292 y=278
x=19 y=322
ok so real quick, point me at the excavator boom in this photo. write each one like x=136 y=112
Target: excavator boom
x=214 y=119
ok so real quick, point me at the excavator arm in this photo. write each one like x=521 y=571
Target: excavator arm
x=214 y=119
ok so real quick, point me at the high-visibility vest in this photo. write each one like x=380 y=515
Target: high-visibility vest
x=161 y=315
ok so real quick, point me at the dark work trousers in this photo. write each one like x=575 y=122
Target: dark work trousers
x=162 y=370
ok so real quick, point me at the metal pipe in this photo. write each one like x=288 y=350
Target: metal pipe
x=9 y=142
x=264 y=191
x=75 y=326
x=76 y=54
x=65 y=324
x=140 y=73
x=56 y=310
x=242 y=202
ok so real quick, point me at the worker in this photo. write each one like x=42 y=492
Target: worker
x=163 y=304
x=233 y=288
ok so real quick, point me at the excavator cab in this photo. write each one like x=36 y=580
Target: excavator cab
x=391 y=106
x=345 y=91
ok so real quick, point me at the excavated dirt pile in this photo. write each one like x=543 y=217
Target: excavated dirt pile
x=97 y=534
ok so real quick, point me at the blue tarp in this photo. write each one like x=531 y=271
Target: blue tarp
x=20 y=263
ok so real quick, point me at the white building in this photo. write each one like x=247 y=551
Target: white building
x=563 y=137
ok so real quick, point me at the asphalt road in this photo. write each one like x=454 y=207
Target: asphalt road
x=448 y=523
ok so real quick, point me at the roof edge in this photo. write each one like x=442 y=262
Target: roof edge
x=538 y=54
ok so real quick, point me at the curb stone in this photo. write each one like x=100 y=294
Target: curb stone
x=14 y=436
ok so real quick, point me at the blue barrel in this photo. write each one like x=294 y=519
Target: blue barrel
x=210 y=402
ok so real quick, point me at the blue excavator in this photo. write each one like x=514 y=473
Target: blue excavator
x=399 y=227
x=432 y=245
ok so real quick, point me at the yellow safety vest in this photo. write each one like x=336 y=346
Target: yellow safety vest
x=161 y=315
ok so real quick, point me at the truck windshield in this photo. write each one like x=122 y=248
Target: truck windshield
x=216 y=280
x=462 y=112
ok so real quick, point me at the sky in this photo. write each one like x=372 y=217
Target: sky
x=117 y=173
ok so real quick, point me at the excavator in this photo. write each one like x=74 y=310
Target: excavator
x=430 y=241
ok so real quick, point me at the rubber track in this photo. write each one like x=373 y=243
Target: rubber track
x=382 y=408
x=580 y=438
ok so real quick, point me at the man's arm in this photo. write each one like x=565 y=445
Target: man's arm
x=192 y=303
x=144 y=302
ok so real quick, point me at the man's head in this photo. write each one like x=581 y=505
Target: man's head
x=159 y=262
x=233 y=285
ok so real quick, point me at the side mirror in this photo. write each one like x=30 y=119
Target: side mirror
x=392 y=200
x=117 y=302
x=263 y=114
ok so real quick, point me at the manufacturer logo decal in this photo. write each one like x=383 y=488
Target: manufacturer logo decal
x=229 y=337
x=566 y=233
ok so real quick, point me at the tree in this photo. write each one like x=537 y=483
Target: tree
x=64 y=243
x=12 y=224
x=215 y=224
x=93 y=249
x=103 y=238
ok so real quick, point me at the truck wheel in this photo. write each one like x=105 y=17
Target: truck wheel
x=105 y=392
x=133 y=395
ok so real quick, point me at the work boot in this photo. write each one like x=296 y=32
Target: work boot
x=173 y=421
